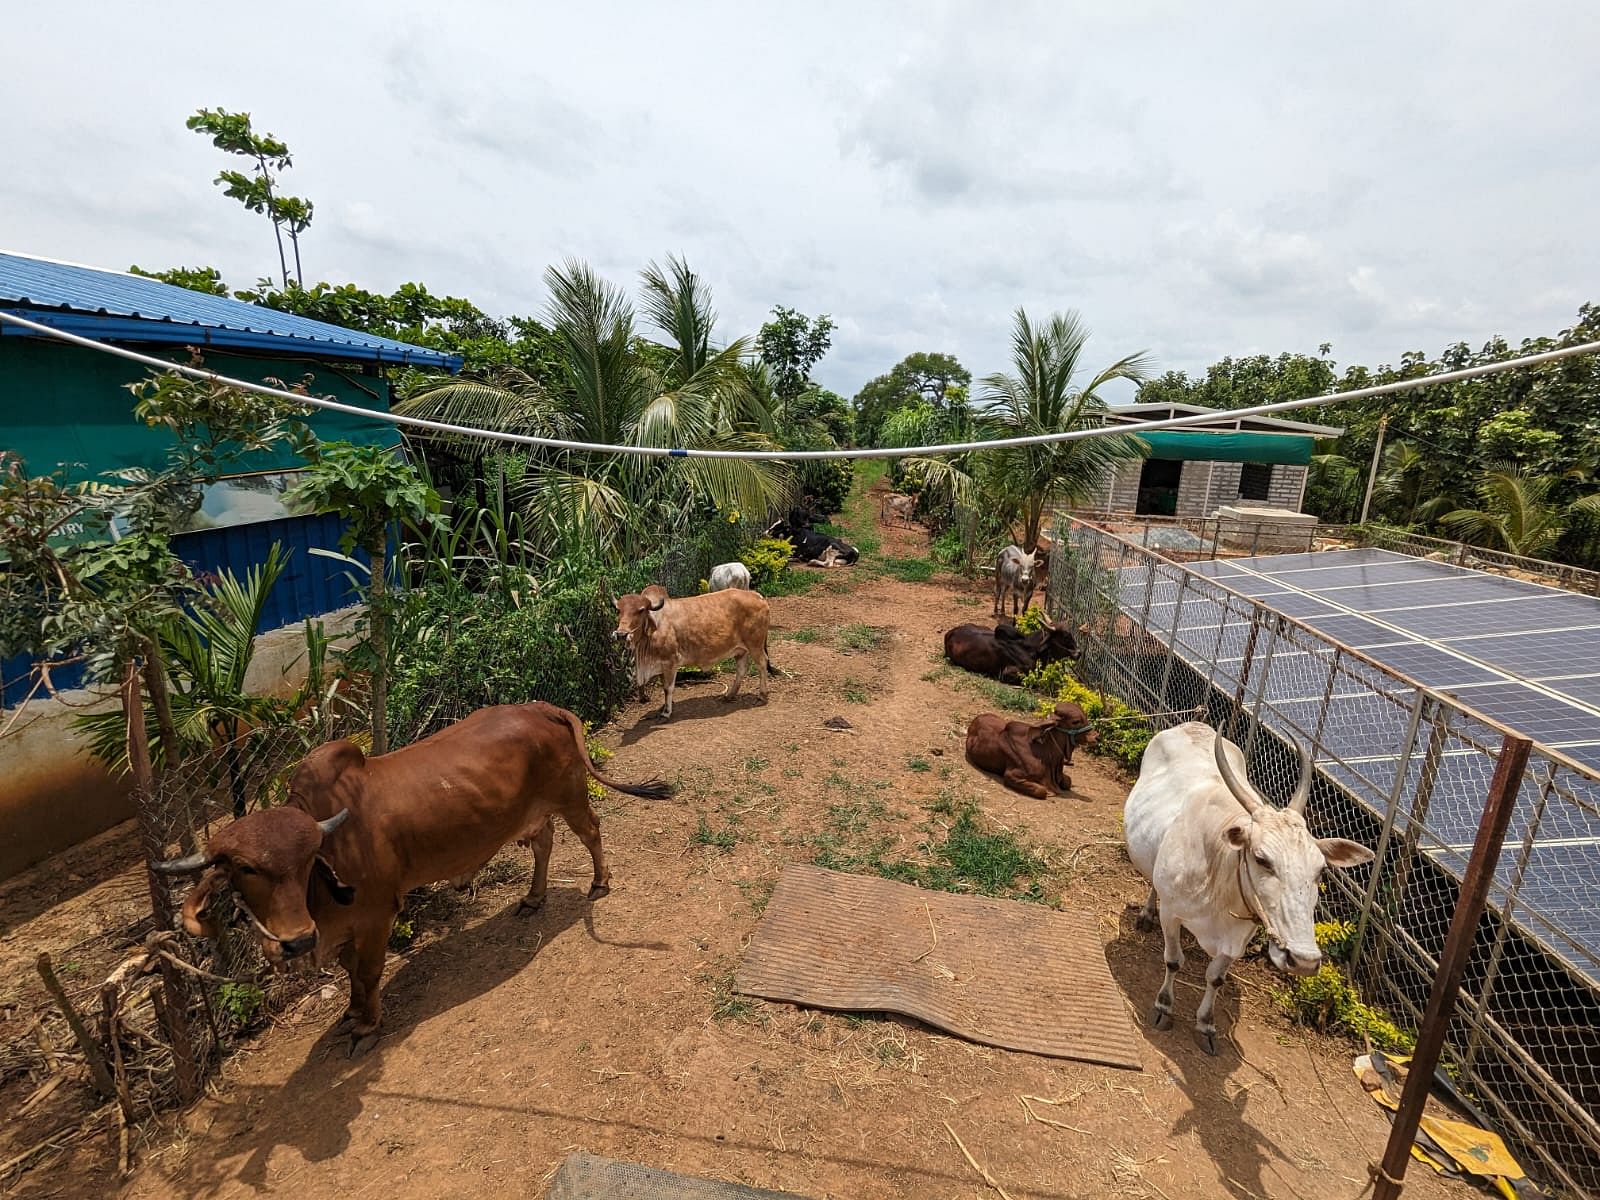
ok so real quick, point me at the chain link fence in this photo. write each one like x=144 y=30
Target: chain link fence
x=1405 y=770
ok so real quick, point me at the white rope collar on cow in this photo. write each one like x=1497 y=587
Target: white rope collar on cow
x=238 y=900
x=1251 y=900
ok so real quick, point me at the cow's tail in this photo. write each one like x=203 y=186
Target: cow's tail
x=654 y=789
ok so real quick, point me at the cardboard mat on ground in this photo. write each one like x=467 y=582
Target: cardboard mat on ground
x=999 y=972
x=589 y=1177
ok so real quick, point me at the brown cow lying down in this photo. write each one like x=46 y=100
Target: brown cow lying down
x=693 y=631
x=329 y=870
x=1029 y=756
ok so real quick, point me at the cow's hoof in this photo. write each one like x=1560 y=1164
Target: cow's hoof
x=1206 y=1039
x=527 y=907
x=1144 y=923
x=598 y=890
x=1162 y=1019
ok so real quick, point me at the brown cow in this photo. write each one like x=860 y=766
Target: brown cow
x=693 y=631
x=1029 y=756
x=330 y=869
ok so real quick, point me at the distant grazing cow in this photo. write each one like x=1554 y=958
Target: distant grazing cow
x=895 y=506
x=1005 y=653
x=816 y=549
x=729 y=575
x=1015 y=578
x=328 y=871
x=1030 y=756
x=1221 y=860
x=694 y=631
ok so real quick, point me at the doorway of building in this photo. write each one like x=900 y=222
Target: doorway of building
x=1158 y=487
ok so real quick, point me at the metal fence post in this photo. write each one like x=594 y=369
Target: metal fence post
x=1263 y=677
x=1438 y=736
x=1491 y=972
x=1172 y=642
x=1402 y=766
x=1244 y=670
x=1502 y=799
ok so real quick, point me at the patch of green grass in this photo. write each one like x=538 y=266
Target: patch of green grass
x=728 y=1005
x=908 y=570
x=756 y=763
x=853 y=691
x=861 y=637
x=792 y=772
x=938 y=673
x=805 y=635
x=757 y=892
x=792 y=583
x=1002 y=696
x=964 y=856
x=724 y=839
x=836 y=780
x=918 y=763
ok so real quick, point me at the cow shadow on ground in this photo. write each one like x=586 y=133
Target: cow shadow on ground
x=706 y=706
x=1240 y=1151
x=313 y=1110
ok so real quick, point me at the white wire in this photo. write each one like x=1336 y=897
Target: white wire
x=526 y=439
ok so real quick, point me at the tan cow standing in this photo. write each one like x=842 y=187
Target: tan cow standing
x=694 y=631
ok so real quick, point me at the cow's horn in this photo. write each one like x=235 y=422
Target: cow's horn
x=1241 y=789
x=333 y=822
x=656 y=607
x=197 y=861
x=1302 y=790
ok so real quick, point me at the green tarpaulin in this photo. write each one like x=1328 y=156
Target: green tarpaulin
x=1192 y=445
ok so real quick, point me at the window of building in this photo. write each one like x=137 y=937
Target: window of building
x=1255 y=481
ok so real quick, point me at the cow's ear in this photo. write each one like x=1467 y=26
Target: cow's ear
x=1341 y=852
x=341 y=891
x=1238 y=834
x=617 y=604
x=197 y=919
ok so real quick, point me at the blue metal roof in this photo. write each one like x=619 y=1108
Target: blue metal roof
x=113 y=306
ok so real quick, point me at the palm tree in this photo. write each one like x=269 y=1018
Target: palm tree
x=1405 y=480
x=616 y=388
x=1041 y=397
x=1517 y=514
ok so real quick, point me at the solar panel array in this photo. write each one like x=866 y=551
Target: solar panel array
x=1523 y=654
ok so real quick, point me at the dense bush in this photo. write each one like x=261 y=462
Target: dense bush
x=457 y=651
x=828 y=481
x=768 y=561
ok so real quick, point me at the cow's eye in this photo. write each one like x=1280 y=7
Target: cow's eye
x=247 y=869
x=1264 y=863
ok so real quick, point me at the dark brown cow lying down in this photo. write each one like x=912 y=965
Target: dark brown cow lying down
x=329 y=870
x=1029 y=756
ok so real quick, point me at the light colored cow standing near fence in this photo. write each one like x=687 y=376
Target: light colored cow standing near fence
x=1016 y=576
x=1221 y=861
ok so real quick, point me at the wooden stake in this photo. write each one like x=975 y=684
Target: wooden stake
x=91 y=1052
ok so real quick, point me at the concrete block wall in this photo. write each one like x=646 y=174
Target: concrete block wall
x=1203 y=487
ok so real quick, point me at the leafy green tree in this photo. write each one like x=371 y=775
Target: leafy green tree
x=1407 y=484
x=1518 y=513
x=233 y=133
x=791 y=344
x=936 y=380
x=196 y=279
x=372 y=489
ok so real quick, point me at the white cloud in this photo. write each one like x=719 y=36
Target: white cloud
x=1197 y=182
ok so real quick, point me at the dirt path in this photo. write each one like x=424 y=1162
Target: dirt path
x=510 y=1042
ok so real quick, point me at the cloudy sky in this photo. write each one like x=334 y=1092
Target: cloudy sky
x=1197 y=180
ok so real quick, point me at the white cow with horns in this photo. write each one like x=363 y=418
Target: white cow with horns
x=1221 y=860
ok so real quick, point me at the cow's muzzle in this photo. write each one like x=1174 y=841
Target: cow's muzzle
x=296 y=946
x=1285 y=959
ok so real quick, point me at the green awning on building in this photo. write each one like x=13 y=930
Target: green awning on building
x=1191 y=445
x=68 y=408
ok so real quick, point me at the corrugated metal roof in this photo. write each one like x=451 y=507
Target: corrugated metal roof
x=114 y=306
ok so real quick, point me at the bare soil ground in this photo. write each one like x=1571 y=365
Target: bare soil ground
x=511 y=1041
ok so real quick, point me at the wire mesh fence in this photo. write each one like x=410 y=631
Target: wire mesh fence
x=1405 y=770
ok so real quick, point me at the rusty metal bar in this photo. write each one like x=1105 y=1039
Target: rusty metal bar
x=1263 y=677
x=1497 y=810
x=1491 y=973
x=1402 y=769
x=1172 y=640
x=1244 y=670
